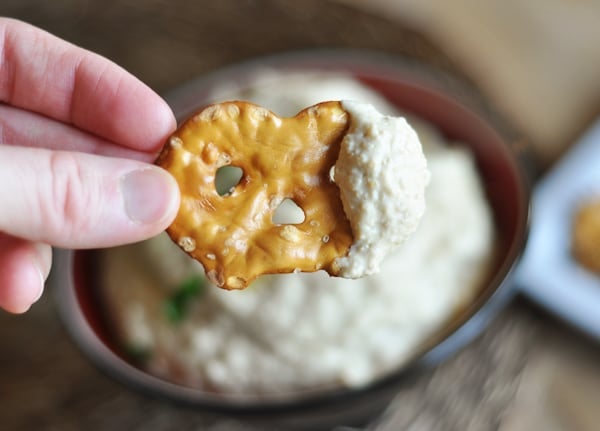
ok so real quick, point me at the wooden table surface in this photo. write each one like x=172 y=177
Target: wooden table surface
x=47 y=384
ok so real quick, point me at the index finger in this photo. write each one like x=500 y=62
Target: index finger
x=42 y=73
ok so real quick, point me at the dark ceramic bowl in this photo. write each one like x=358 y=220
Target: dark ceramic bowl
x=459 y=113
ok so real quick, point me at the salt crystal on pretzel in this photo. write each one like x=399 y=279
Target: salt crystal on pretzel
x=358 y=177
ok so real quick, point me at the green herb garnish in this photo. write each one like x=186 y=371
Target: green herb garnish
x=178 y=303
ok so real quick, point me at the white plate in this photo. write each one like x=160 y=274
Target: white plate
x=548 y=273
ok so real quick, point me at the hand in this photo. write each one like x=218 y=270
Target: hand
x=77 y=135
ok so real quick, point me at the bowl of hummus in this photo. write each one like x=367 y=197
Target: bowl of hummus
x=308 y=342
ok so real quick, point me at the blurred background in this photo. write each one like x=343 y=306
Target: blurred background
x=535 y=62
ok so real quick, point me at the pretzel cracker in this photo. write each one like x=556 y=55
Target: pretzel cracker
x=233 y=235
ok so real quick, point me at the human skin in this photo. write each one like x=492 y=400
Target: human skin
x=78 y=135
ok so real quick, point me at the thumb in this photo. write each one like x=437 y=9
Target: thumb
x=77 y=200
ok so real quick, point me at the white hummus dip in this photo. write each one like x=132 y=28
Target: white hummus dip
x=287 y=333
x=382 y=174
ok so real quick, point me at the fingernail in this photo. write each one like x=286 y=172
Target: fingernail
x=42 y=283
x=42 y=263
x=36 y=280
x=148 y=195
x=42 y=260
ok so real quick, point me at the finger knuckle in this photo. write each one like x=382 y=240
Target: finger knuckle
x=69 y=197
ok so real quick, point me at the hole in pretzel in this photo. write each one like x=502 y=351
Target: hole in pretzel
x=288 y=212
x=227 y=178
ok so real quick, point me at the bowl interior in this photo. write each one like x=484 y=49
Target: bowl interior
x=504 y=182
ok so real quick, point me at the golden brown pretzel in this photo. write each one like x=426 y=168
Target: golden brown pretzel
x=233 y=236
x=585 y=241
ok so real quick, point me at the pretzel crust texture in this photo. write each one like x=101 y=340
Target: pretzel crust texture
x=233 y=235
